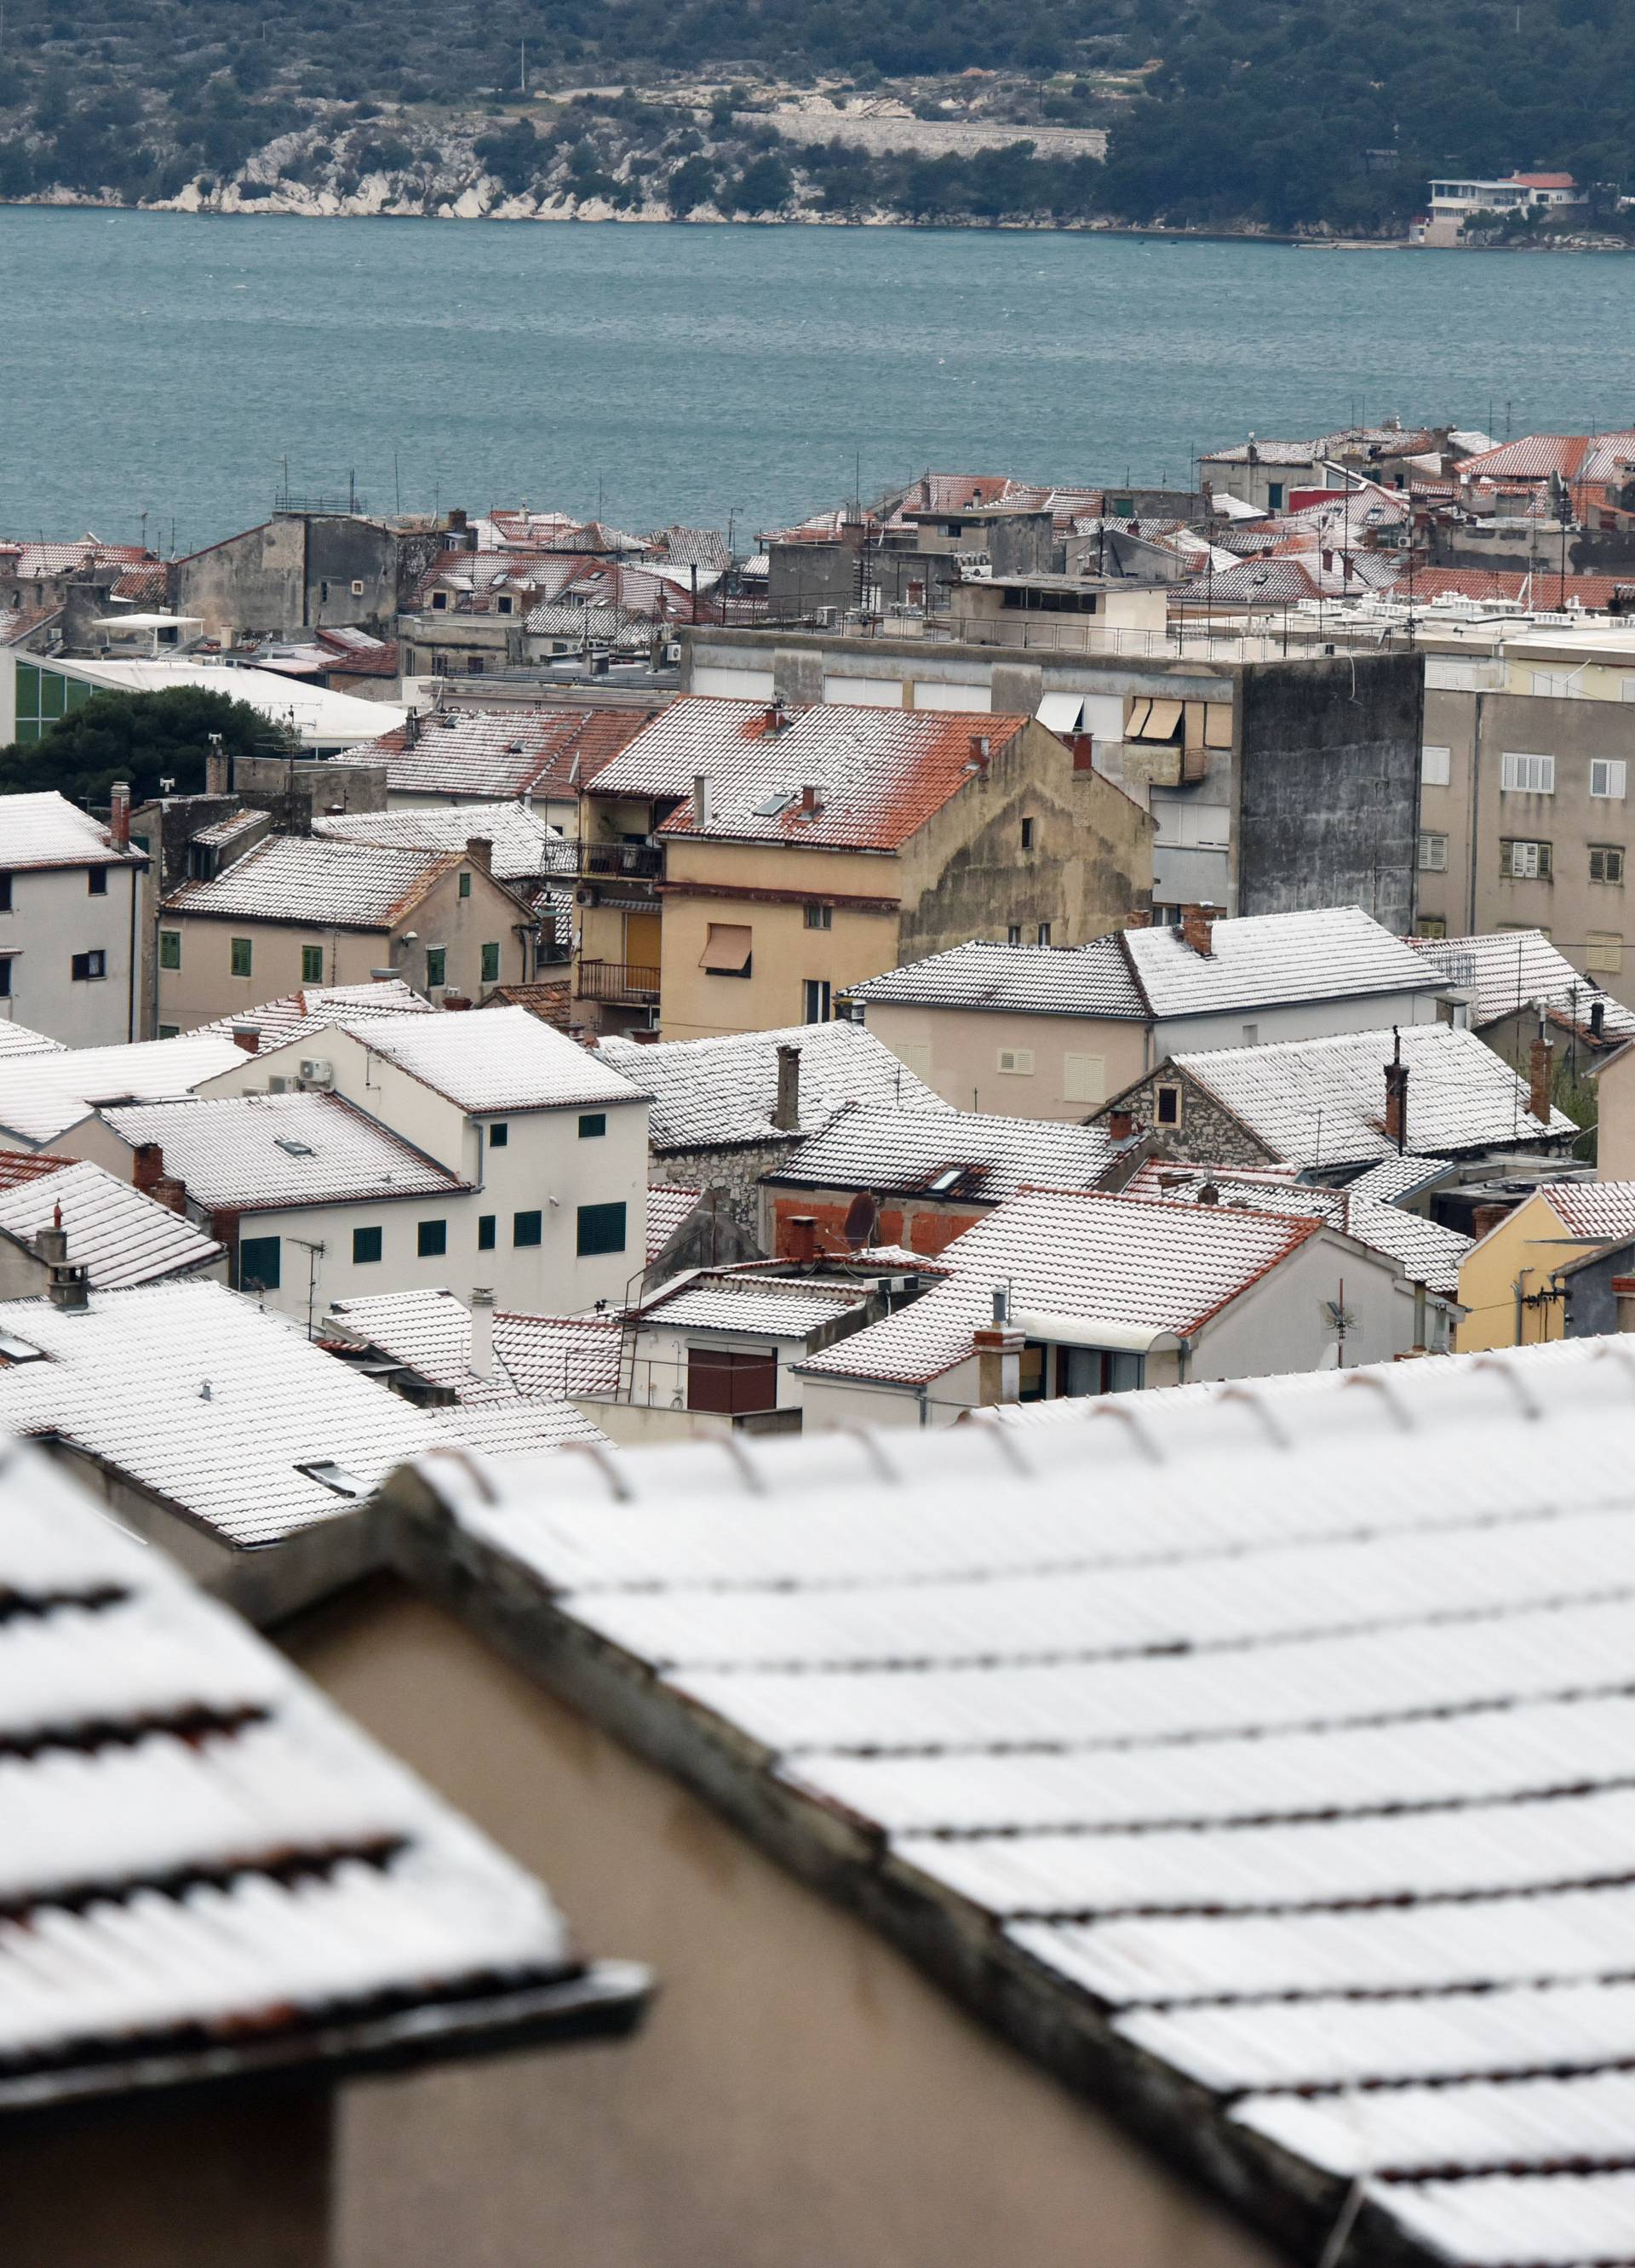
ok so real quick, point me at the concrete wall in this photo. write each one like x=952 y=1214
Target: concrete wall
x=957 y=1050
x=1299 y=1020
x=1326 y=805
x=294 y=572
x=800 y=2095
x=1522 y=1253
x=1615 y=1096
x=53 y=917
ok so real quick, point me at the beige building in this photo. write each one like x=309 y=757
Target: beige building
x=793 y=856
x=292 y=911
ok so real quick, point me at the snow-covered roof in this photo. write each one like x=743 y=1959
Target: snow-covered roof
x=764 y=1306
x=17 y=1040
x=1028 y=980
x=1603 y=1211
x=260 y=1152
x=543 y=1357
x=296 y=877
x=47 y=830
x=1080 y=1255
x=1397 y=1177
x=498 y=753
x=1264 y=959
x=518 y=1426
x=1280 y=1737
x=43 y=1094
x=669 y=1205
x=318 y=718
x=119 y=1235
x=1322 y=1102
x=913 y=1152
x=317 y=1006
x=504 y=1059
x=711 y=1094
x=205 y=1866
x=521 y=841
x=1516 y=968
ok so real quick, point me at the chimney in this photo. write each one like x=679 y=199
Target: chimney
x=1140 y=917
x=147 y=1166
x=701 y=799
x=51 y=1244
x=1624 y=1297
x=171 y=1193
x=247 y=1037
x=216 y=768
x=412 y=729
x=1209 y=1193
x=1597 y=1020
x=1121 y=1125
x=453 y=1002
x=1197 y=930
x=70 y=1288
x=999 y=1352
x=1484 y=1217
x=808 y=801
x=786 y=1111
x=801 y=1238
x=1541 y=1066
x=1397 y=1095
x=456 y=520
x=775 y=719
x=119 y=816
x=480 y=851
x=483 y=1331
x=979 y=750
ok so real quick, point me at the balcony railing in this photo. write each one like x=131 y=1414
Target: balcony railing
x=626 y=981
x=633 y=861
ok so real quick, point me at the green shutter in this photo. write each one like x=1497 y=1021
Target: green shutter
x=259 y=1263
x=366 y=1246
x=311 y=964
x=436 y=965
x=490 y=964
x=170 y=948
x=242 y=956
x=431 y=1241
x=601 y=1228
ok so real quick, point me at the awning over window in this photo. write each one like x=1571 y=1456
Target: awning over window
x=1159 y=723
x=1061 y=711
x=1089 y=1331
x=727 y=949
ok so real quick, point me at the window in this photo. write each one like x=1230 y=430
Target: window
x=487 y=1223
x=593 y=1124
x=170 y=948
x=5 y=894
x=6 y=978
x=1556 y=684
x=97 y=878
x=1607 y=775
x=437 y=966
x=239 y=956
x=1524 y=862
x=1013 y=934
x=1016 y=1062
x=169 y=1031
x=88 y=966
x=1169 y=1106
x=366 y=1246
x=323 y=593
x=505 y=605
x=1433 y=854
x=601 y=1228
x=1084 y=1079
x=1274 y=495
x=818 y=999
x=1606 y=862
x=1045 y=932
x=499 y=1134
x=528 y=1228
x=490 y=964
x=440 y=603
x=464 y=881
x=727 y=950
x=1435 y=766
x=820 y=916
x=1527 y=774
x=431 y=1239
x=1251 y=1035
x=259 y=1267
x=1604 y=952
x=311 y=964
x=1027 y=834
x=1430 y=925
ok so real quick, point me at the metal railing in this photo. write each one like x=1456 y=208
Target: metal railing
x=634 y=861
x=621 y=981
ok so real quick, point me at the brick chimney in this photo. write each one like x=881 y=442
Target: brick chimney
x=1209 y=1195
x=119 y=816
x=147 y=1166
x=480 y=851
x=800 y=1237
x=1121 y=1125
x=701 y=799
x=1486 y=1217
x=247 y=1037
x=216 y=768
x=808 y=800
x=172 y=1193
x=1139 y=918
x=1540 y=1079
x=1197 y=930
x=1397 y=1095
x=998 y=1350
x=786 y=1111
x=1623 y=1297
x=483 y=1331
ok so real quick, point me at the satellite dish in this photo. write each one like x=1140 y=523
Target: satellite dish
x=862 y=1216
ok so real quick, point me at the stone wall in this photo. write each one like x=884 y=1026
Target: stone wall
x=1208 y=1134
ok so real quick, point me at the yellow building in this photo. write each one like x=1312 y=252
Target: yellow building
x=793 y=856
x=1513 y=1283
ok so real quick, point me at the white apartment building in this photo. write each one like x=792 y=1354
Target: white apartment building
x=70 y=890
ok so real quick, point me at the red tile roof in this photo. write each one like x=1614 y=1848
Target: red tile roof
x=1544 y=589
x=502 y=752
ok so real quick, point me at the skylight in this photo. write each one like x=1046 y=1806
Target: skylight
x=774 y=804
x=328 y=1474
x=288 y=1142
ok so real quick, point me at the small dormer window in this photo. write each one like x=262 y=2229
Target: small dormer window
x=440 y=603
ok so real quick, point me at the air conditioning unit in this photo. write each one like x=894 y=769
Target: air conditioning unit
x=673 y=652
x=278 y=1084
x=317 y=1071
x=828 y=618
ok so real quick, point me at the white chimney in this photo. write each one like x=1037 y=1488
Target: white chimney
x=483 y=1331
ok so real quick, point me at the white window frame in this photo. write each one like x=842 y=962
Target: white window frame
x=1528 y=862
x=1603 y=851
x=1015 y=1063
x=1436 y=765
x=1613 y=772
x=1527 y=775
x=1603 y=953
x=1432 y=851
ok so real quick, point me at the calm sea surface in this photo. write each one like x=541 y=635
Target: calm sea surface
x=168 y=365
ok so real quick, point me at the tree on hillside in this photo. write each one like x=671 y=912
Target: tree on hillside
x=144 y=738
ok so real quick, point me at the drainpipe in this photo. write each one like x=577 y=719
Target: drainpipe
x=1519 y=1293
x=1473 y=849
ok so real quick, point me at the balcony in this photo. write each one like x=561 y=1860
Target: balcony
x=628 y=861
x=627 y=983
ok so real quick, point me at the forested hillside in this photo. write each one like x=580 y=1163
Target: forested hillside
x=1271 y=112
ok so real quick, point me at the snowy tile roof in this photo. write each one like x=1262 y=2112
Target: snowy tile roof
x=1029 y=980
x=711 y=1093
x=118 y=1234
x=767 y=1306
x=318 y=1007
x=1515 y=969
x=1084 y=1256
x=260 y=1152
x=1428 y=1253
x=200 y=1858
x=43 y=1095
x=1395 y=1177
x=1267 y=959
x=293 y=878
x=17 y=1040
x=540 y=1356
x=504 y=1425
x=668 y=1206
x=498 y=754
x=48 y=831
x=1599 y=1210
x=1280 y=1737
x=1322 y=1102
x=880 y=773
x=502 y=1059
x=904 y=1152
x=521 y=841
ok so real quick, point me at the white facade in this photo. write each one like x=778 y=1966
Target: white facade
x=68 y=950
x=1295 y=1020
